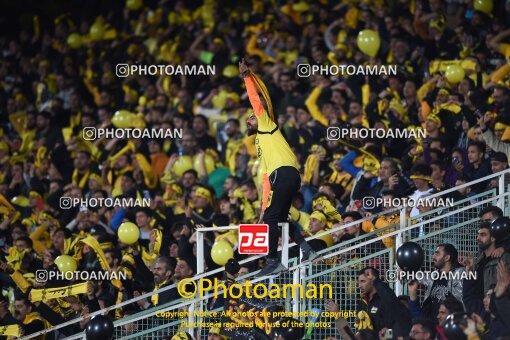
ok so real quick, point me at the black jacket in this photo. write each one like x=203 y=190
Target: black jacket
x=386 y=311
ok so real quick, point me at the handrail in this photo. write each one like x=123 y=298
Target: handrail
x=218 y=270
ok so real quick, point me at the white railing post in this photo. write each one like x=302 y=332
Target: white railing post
x=398 y=242
x=285 y=244
x=295 y=281
x=501 y=190
x=200 y=270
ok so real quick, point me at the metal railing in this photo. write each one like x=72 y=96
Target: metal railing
x=338 y=265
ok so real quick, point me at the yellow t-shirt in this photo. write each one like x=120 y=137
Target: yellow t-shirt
x=273 y=151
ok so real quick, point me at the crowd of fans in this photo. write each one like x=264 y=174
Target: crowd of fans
x=50 y=91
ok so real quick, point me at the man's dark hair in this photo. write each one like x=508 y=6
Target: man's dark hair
x=369 y=268
x=393 y=164
x=451 y=251
x=235 y=121
x=353 y=214
x=421 y=169
x=367 y=334
x=220 y=220
x=453 y=305
x=27 y=240
x=67 y=232
x=129 y=175
x=145 y=210
x=496 y=211
x=203 y=118
x=389 y=192
x=439 y=163
x=190 y=171
x=115 y=253
x=479 y=145
x=485 y=225
x=235 y=179
x=169 y=262
x=250 y=184
x=427 y=325
x=24 y=298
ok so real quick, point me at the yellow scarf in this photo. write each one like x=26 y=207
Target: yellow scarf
x=155 y=297
x=81 y=182
x=149 y=256
x=46 y=294
x=15 y=257
x=11 y=330
x=92 y=243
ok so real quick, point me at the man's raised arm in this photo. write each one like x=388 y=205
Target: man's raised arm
x=251 y=88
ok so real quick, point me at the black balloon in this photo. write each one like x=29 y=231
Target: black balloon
x=292 y=331
x=99 y=327
x=451 y=326
x=410 y=256
x=500 y=229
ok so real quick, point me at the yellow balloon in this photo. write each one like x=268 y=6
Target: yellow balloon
x=220 y=99
x=369 y=42
x=138 y=121
x=97 y=31
x=184 y=163
x=230 y=71
x=122 y=119
x=66 y=263
x=134 y=5
x=328 y=239
x=74 y=40
x=209 y=164
x=484 y=6
x=221 y=252
x=22 y=201
x=128 y=233
x=454 y=73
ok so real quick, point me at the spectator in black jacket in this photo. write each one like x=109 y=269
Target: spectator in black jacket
x=478 y=167
x=381 y=304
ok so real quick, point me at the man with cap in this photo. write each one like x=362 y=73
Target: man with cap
x=420 y=174
x=281 y=178
x=202 y=202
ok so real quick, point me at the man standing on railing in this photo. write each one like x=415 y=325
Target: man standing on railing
x=281 y=179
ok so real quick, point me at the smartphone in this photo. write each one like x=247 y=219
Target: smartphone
x=455 y=160
x=388 y=334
